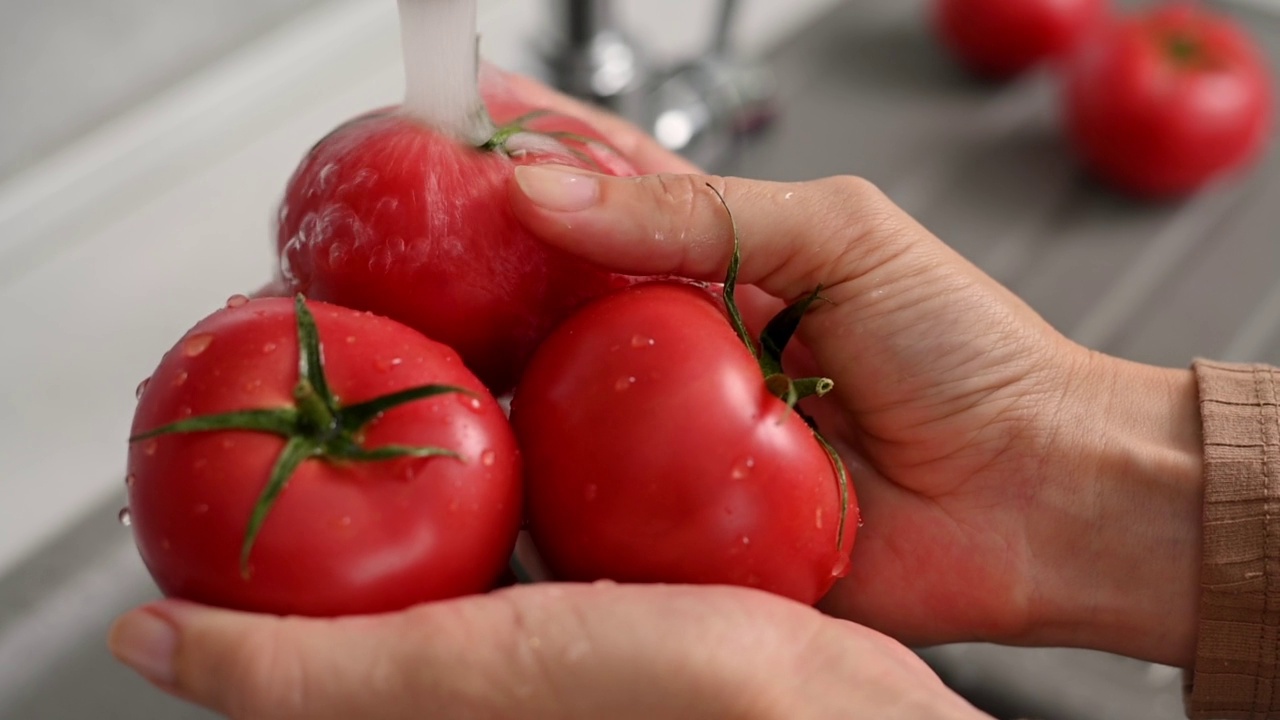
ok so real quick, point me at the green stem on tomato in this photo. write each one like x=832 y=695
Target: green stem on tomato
x=778 y=333
x=316 y=427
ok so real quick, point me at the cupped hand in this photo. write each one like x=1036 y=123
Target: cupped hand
x=1016 y=487
x=557 y=652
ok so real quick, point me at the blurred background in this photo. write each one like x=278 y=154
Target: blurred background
x=144 y=145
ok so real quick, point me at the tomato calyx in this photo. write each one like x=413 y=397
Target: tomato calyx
x=768 y=355
x=506 y=139
x=318 y=426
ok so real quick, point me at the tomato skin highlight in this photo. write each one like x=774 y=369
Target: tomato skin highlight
x=1000 y=39
x=343 y=538
x=1157 y=119
x=387 y=215
x=655 y=453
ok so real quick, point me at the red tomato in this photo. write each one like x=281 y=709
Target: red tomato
x=655 y=453
x=1003 y=38
x=1168 y=100
x=345 y=536
x=390 y=216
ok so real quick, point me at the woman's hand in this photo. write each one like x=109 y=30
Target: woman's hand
x=1020 y=488
x=558 y=652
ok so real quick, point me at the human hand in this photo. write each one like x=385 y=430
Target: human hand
x=1016 y=487
x=548 y=651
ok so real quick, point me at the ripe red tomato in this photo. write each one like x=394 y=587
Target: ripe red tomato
x=655 y=453
x=350 y=532
x=1168 y=100
x=1002 y=38
x=390 y=216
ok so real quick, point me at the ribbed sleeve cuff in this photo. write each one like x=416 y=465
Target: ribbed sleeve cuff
x=1237 y=665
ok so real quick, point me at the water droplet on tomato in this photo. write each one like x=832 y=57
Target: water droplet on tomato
x=253 y=385
x=746 y=540
x=351 y=339
x=196 y=344
x=743 y=468
x=344 y=521
x=473 y=403
x=624 y=383
x=640 y=341
x=817 y=518
x=130 y=480
x=269 y=348
x=202 y=508
x=228 y=443
x=604 y=583
x=124 y=517
x=185 y=411
x=860 y=520
x=236 y=301
x=166 y=544
x=488 y=458
x=590 y=492
x=841 y=568
x=180 y=379
x=142 y=387
x=453 y=506
x=149 y=447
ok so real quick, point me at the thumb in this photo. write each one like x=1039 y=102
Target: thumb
x=538 y=652
x=793 y=236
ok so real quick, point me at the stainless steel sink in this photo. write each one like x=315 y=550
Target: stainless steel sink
x=865 y=91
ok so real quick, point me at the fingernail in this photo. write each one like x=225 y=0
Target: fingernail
x=145 y=642
x=558 y=189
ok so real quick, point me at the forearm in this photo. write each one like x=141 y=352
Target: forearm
x=1121 y=557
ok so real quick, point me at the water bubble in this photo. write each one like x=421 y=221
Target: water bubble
x=180 y=379
x=149 y=447
x=142 y=387
x=253 y=385
x=344 y=521
x=196 y=344
x=742 y=469
x=590 y=492
x=640 y=341
x=746 y=540
x=202 y=508
x=236 y=301
x=861 y=522
x=130 y=480
x=124 y=517
x=624 y=383
x=337 y=256
x=269 y=348
x=817 y=518
x=228 y=443
x=474 y=403
x=841 y=568
x=166 y=544
x=488 y=458
x=351 y=339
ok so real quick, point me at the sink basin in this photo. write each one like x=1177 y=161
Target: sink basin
x=182 y=217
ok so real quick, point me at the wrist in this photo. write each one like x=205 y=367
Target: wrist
x=1123 y=548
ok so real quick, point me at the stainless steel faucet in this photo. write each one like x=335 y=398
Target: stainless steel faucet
x=701 y=108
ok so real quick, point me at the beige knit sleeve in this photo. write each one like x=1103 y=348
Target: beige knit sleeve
x=1237 y=666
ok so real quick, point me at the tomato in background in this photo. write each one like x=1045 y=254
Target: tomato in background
x=1167 y=100
x=1002 y=38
